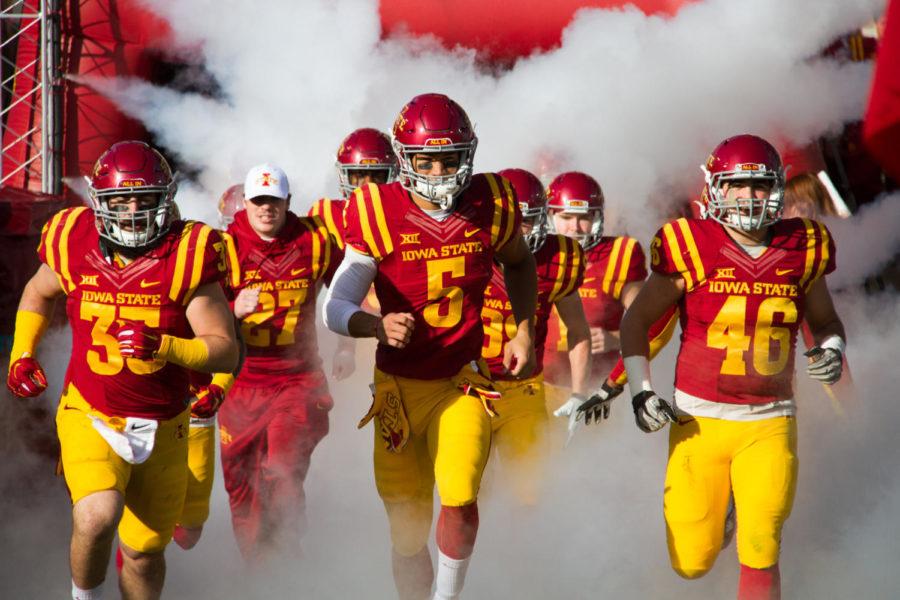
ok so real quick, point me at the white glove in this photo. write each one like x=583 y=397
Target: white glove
x=826 y=366
x=651 y=413
x=343 y=364
x=570 y=409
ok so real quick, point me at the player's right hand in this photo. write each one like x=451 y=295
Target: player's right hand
x=26 y=378
x=651 y=413
x=246 y=302
x=395 y=329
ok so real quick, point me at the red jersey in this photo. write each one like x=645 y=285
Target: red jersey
x=331 y=212
x=560 y=270
x=436 y=270
x=739 y=314
x=154 y=288
x=612 y=263
x=281 y=337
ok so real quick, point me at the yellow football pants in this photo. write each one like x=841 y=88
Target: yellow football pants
x=710 y=458
x=449 y=444
x=201 y=472
x=520 y=435
x=153 y=490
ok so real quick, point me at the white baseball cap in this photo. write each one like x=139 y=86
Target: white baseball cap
x=266 y=180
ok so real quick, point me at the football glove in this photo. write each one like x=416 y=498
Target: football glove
x=207 y=401
x=597 y=406
x=570 y=409
x=26 y=378
x=136 y=340
x=651 y=413
x=826 y=366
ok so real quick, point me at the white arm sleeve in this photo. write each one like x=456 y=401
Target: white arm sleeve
x=348 y=289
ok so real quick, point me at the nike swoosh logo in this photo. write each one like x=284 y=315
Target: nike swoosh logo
x=146 y=284
x=298 y=271
x=469 y=234
x=781 y=272
x=589 y=279
x=139 y=427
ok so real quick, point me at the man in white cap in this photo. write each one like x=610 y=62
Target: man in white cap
x=277 y=410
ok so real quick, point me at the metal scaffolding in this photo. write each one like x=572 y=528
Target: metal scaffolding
x=30 y=115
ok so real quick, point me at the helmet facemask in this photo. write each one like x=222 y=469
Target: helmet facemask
x=345 y=170
x=440 y=190
x=138 y=228
x=538 y=217
x=744 y=214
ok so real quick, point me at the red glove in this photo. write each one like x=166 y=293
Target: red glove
x=26 y=378
x=136 y=340
x=208 y=400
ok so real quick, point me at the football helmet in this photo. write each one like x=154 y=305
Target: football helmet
x=128 y=169
x=230 y=203
x=577 y=193
x=433 y=123
x=744 y=158
x=532 y=203
x=365 y=149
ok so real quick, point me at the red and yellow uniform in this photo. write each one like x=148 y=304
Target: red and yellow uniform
x=437 y=271
x=100 y=384
x=519 y=430
x=611 y=264
x=739 y=318
x=277 y=411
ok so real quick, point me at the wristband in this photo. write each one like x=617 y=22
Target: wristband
x=638 y=369
x=30 y=326
x=834 y=342
x=191 y=353
x=223 y=380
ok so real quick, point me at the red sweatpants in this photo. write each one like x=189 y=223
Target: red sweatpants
x=268 y=433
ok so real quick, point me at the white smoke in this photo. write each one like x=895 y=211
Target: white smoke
x=636 y=101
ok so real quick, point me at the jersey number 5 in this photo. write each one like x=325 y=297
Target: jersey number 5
x=445 y=302
x=727 y=332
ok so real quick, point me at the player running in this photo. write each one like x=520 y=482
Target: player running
x=145 y=306
x=744 y=280
x=428 y=242
x=521 y=423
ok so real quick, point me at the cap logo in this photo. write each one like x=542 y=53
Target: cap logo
x=266 y=180
x=438 y=142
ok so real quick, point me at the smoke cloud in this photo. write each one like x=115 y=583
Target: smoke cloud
x=636 y=101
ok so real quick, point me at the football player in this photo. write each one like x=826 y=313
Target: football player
x=614 y=273
x=519 y=429
x=277 y=410
x=744 y=280
x=364 y=156
x=145 y=306
x=428 y=243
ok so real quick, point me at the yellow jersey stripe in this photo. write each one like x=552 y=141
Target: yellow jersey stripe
x=180 y=262
x=577 y=260
x=52 y=228
x=699 y=271
x=197 y=269
x=611 y=265
x=810 y=252
x=560 y=276
x=365 y=226
x=234 y=265
x=328 y=215
x=509 y=211
x=823 y=256
x=498 y=210
x=675 y=252
x=623 y=270
x=378 y=209
x=326 y=244
x=314 y=232
x=64 y=245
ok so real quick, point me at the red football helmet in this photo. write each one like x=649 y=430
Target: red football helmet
x=132 y=169
x=532 y=203
x=432 y=123
x=231 y=202
x=747 y=159
x=365 y=149
x=579 y=194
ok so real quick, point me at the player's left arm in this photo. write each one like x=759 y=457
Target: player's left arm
x=520 y=278
x=578 y=338
x=828 y=332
